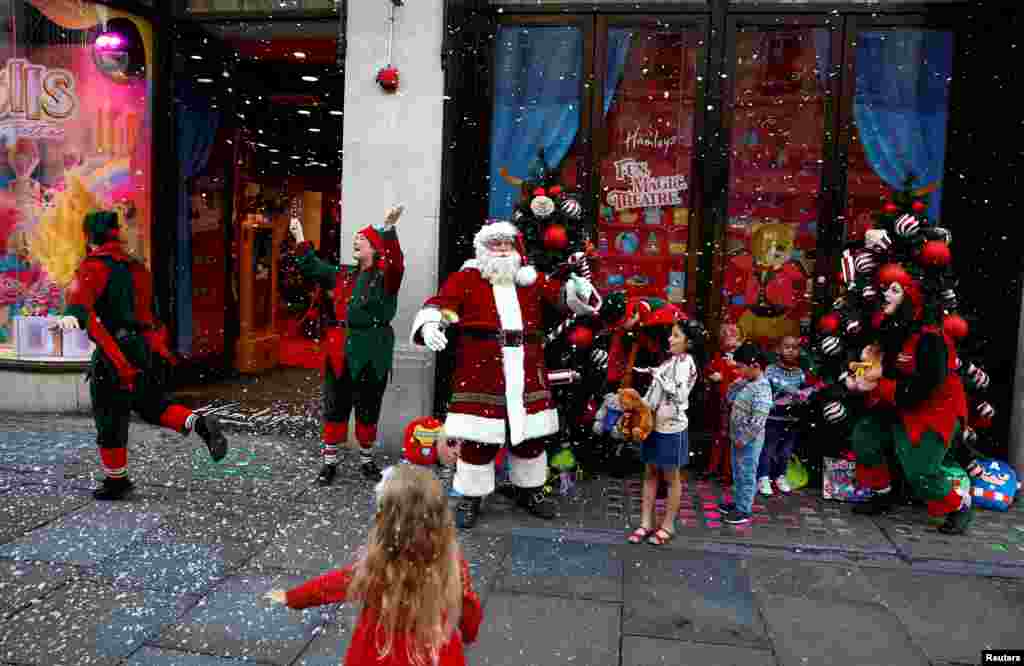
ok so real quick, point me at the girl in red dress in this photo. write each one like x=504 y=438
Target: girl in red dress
x=419 y=606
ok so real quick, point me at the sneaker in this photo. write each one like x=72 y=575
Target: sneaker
x=736 y=517
x=536 y=502
x=466 y=512
x=113 y=489
x=958 y=521
x=326 y=475
x=764 y=486
x=370 y=471
x=727 y=507
x=783 y=486
x=208 y=428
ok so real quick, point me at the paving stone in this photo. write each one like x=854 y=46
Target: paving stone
x=172 y=567
x=217 y=518
x=954 y=617
x=642 y=651
x=234 y=620
x=32 y=448
x=87 y=622
x=154 y=656
x=995 y=537
x=86 y=537
x=26 y=507
x=810 y=631
x=690 y=596
x=542 y=566
x=526 y=630
x=816 y=580
x=332 y=640
x=21 y=583
x=313 y=544
x=487 y=556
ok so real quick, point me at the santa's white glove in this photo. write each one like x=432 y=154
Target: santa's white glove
x=433 y=336
x=295 y=227
x=68 y=323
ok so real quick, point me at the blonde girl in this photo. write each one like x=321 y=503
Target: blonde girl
x=418 y=603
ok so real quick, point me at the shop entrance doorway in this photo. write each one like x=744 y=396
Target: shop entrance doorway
x=259 y=122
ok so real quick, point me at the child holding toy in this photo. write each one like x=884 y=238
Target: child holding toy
x=789 y=389
x=721 y=372
x=666 y=449
x=419 y=606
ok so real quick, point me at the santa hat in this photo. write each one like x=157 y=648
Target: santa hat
x=373 y=237
x=495 y=229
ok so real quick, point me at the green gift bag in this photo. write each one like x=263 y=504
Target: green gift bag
x=796 y=473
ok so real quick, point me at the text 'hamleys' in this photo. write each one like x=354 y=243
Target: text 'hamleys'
x=36 y=99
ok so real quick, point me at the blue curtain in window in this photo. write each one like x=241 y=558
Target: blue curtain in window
x=901 y=105
x=538 y=74
x=196 y=129
x=618 y=51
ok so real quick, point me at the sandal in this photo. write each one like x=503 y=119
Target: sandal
x=640 y=535
x=660 y=537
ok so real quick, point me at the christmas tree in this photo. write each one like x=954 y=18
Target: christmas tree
x=903 y=246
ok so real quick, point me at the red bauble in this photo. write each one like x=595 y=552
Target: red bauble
x=539 y=192
x=890 y=208
x=556 y=237
x=890 y=273
x=955 y=327
x=935 y=253
x=581 y=337
x=829 y=323
x=555 y=189
x=387 y=79
x=919 y=206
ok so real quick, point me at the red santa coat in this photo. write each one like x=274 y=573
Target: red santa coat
x=493 y=382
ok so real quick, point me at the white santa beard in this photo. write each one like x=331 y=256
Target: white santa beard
x=496 y=268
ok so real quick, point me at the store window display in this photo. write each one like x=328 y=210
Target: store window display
x=75 y=137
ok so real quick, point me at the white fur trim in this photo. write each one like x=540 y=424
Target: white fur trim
x=495 y=230
x=471 y=263
x=426 y=315
x=475 y=428
x=528 y=472
x=513 y=359
x=526 y=275
x=473 y=480
x=541 y=424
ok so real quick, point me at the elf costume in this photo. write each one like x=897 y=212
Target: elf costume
x=722 y=372
x=111 y=298
x=359 y=342
x=920 y=403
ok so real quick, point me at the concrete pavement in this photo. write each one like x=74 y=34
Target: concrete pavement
x=175 y=576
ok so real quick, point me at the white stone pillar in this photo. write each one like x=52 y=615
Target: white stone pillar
x=392 y=153
x=1016 y=443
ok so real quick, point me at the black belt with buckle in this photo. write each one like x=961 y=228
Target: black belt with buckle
x=505 y=338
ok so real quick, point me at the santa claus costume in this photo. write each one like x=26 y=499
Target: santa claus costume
x=360 y=341
x=500 y=391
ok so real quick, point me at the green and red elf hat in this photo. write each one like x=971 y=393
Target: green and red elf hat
x=101 y=227
x=890 y=273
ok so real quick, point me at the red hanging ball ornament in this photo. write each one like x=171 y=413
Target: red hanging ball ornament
x=387 y=79
x=890 y=273
x=955 y=326
x=829 y=323
x=919 y=206
x=556 y=237
x=935 y=253
x=890 y=208
x=555 y=189
x=581 y=337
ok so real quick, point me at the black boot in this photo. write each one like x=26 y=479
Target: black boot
x=326 y=475
x=208 y=428
x=466 y=512
x=958 y=521
x=370 y=470
x=878 y=504
x=536 y=502
x=113 y=489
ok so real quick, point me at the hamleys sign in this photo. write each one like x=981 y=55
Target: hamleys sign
x=35 y=100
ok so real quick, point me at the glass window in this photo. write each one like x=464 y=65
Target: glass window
x=900 y=111
x=778 y=119
x=76 y=135
x=536 y=109
x=645 y=171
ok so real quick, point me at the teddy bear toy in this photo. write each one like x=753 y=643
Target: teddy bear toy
x=637 y=419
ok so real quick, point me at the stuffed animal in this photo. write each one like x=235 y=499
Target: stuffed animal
x=994 y=484
x=637 y=419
